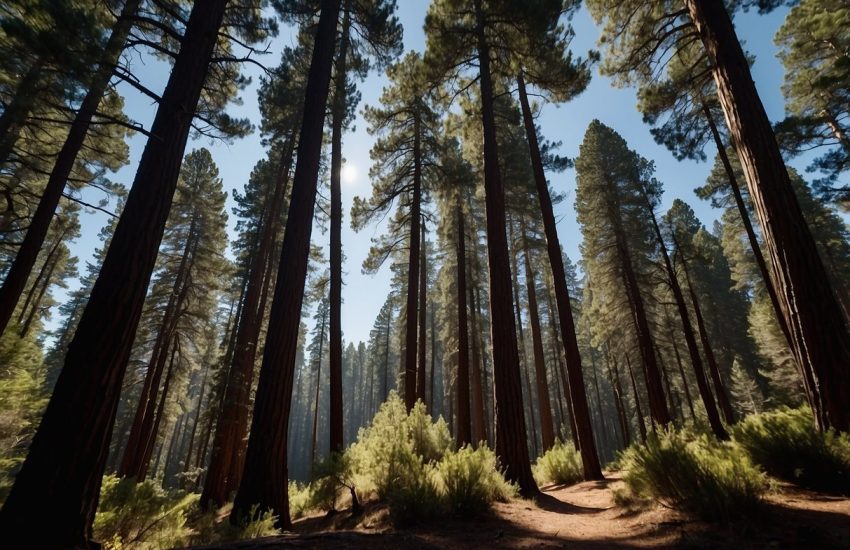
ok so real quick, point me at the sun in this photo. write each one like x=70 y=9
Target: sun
x=348 y=174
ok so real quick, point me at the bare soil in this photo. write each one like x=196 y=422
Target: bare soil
x=582 y=516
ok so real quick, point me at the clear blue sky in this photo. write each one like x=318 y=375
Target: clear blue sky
x=363 y=294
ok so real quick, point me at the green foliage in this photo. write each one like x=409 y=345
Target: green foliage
x=142 y=515
x=711 y=480
x=408 y=461
x=787 y=445
x=300 y=499
x=561 y=464
x=470 y=481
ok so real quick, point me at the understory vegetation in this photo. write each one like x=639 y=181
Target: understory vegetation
x=561 y=465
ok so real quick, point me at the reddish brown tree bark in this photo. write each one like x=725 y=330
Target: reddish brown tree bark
x=264 y=481
x=81 y=411
x=463 y=433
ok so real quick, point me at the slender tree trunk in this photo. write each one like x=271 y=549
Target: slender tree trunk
x=335 y=332
x=688 y=330
x=547 y=428
x=820 y=335
x=562 y=369
x=655 y=390
x=717 y=381
x=748 y=225
x=638 y=409
x=264 y=482
x=197 y=419
x=578 y=394
x=81 y=412
x=423 y=317
x=479 y=411
x=432 y=401
x=614 y=375
x=148 y=444
x=27 y=253
x=599 y=411
x=36 y=305
x=315 y=437
x=462 y=431
x=682 y=373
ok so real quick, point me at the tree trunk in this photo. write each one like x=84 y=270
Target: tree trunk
x=638 y=410
x=335 y=329
x=748 y=225
x=717 y=381
x=820 y=336
x=688 y=330
x=423 y=317
x=149 y=442
x=617 y=387
x=413 y=272
x=27 y=253
x=547 y=428
x=315 y=435
x=462 y=431
x=655 y=391
x=36 y=304
x=479 y=410
x=81 y=412
x=264 y=481
x=578 y=394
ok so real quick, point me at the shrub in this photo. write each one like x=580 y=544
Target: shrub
x=300 y=499
x=471 y=481
x=714 y=481
x=561 y=464
x=142 y=515
x=787 y=445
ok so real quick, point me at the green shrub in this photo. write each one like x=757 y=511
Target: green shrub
x=714 y=481
x=142 y=515
x=471 y=481
x=561 y=464
x=787 y=445
x=300 y=499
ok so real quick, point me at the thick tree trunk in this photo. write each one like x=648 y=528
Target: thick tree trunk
x=423 y=317
x=264 y=481
x=81 y=412
x=688 y=330
x=463 y=430
x=820 y=335
x=27 y=253
x=578 y=394
x=335 y=329
x=547 y=427
x=228 y=448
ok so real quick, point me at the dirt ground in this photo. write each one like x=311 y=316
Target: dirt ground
x=583 y=516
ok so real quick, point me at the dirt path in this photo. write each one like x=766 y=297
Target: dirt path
x=584 y=516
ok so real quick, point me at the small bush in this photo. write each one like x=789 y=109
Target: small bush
x=142 y=515
x=714 y=481
x=471 y=481
x=300 y=499
x=787 y=445
x=561 y=464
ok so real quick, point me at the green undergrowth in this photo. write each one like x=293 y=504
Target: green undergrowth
x=561 y=465
x=787 y=445
x=712 y=480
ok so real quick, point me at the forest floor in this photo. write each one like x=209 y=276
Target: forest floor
x=582 y=516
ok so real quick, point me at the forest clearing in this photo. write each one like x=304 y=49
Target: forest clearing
x=424 y=273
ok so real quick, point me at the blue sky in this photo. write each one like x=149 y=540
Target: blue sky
x=363 y=295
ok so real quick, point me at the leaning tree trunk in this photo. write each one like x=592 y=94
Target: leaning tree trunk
x=335 y=328
x=232 y=425
x=638 y=408
x=578 y=394
x=688 y=330
x=462 y=430
x=714 y=370
x=655 y=390
x=820 y=335
x=81 y=411
x=264 y=481
x=27 y=253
